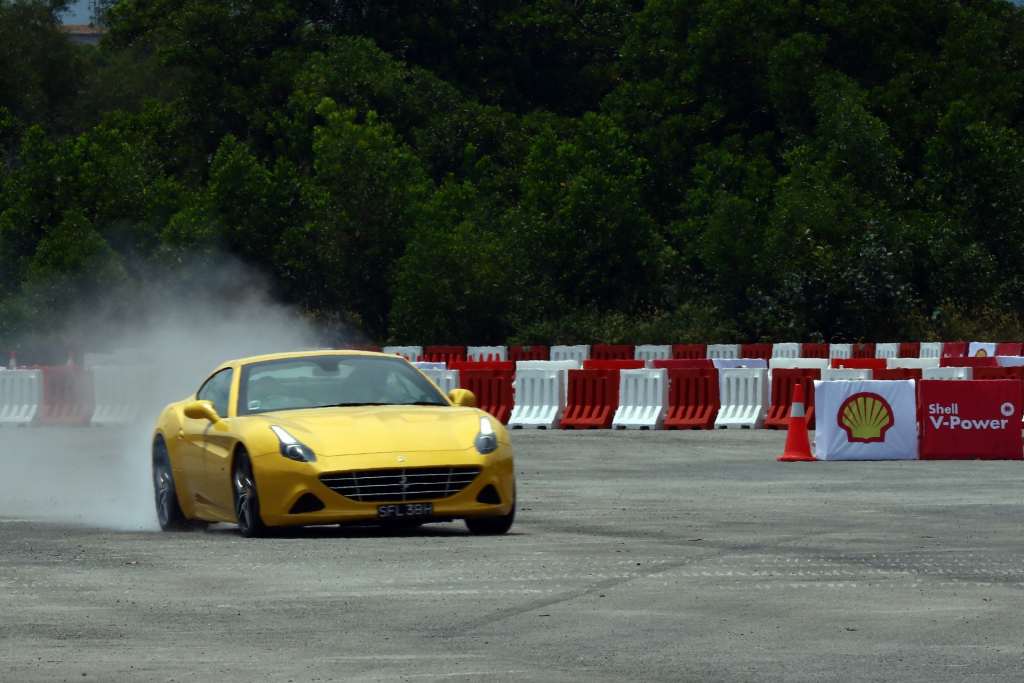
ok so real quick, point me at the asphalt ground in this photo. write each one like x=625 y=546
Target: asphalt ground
x=637 y=556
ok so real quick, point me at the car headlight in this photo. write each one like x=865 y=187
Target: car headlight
x=291 y=447
x=486 y=439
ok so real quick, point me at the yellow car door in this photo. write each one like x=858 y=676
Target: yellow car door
x=190 y=450
x=209 y=440
x=217 y=485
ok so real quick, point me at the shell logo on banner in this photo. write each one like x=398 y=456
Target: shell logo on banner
x=981 y=353
x=865 y=417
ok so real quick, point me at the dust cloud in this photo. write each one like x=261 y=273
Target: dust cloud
x=171 y=335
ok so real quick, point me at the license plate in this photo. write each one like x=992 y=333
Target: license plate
x=405 y=510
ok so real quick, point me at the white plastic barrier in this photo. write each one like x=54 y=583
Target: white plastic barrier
x=887 y=350
x=539 y=398
x=721 y=363
x=744 y=397
x=844 y=374
x=446 y=380
x=723 y=350
x=429 y=365
x=981 y=349
x=947 y=373
x=786 y=350
x=562 y=366
x=806 y=363
x=407 y=352
x=21 y=391
x=487 y=352
x=643 y=398
x=912 y=363
x=930 y=350
x=120 y=393
x=649 y=352
x=840 y=350
x=579 y=352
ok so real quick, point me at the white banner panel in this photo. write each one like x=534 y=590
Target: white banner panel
x=1010 y=361
x=865 y=420
x=981 y=349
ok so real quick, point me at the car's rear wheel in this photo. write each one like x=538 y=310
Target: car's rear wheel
x=247 y=501
x=492 y=526
x=168 y=511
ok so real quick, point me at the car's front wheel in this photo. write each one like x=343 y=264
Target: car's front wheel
x=168 y=511
x=247 y=501
x=492 y=526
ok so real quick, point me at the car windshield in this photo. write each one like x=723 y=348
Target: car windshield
x=323 y=381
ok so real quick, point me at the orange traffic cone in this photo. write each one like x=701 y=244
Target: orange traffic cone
x=798 y=445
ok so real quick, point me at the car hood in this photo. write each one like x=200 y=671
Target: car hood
x=359 y=430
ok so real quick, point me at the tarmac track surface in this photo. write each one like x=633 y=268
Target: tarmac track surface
x=636 y=556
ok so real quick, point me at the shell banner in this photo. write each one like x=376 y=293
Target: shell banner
x=981 y=349
x=975 y=419
x=865 y=420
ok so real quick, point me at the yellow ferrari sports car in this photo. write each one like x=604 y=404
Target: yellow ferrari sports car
x=330 y=437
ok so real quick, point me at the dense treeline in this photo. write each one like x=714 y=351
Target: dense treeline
x=535 y=170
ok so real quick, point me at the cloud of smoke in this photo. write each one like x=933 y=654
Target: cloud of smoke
x=172 y=334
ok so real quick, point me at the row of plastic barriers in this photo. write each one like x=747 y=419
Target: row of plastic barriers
x=651 y=352
x=678 y=393
x=69 y=395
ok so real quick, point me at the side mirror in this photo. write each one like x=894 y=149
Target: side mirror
x=462 y=397
x=201 y=410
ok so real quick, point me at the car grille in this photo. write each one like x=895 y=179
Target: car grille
x=400 y=484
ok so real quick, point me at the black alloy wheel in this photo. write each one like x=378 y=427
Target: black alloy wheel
x=492 y=526
x=247 y=502
x=168 y=511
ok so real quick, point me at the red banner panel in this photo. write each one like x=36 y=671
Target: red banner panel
x=967 y=420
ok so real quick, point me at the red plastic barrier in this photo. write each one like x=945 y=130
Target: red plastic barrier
x=68 y=396
x=763 y=351
x=683 y=364
x=502 y=365
x=970 y=420
x=612 y=351
x=969 y=362
x=910 y=349
x=693 y=398
x=593 y=399
x=1013 y=373
x=783 y=381
x=954 y=349
x=1008 y=348
x=689 y=351
x=493 y=389
x=862 y=350
x=896 y=373
x=814 y=350
x=534 y=352
x=859 y=363
x=444 y=354
x=619 y=364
